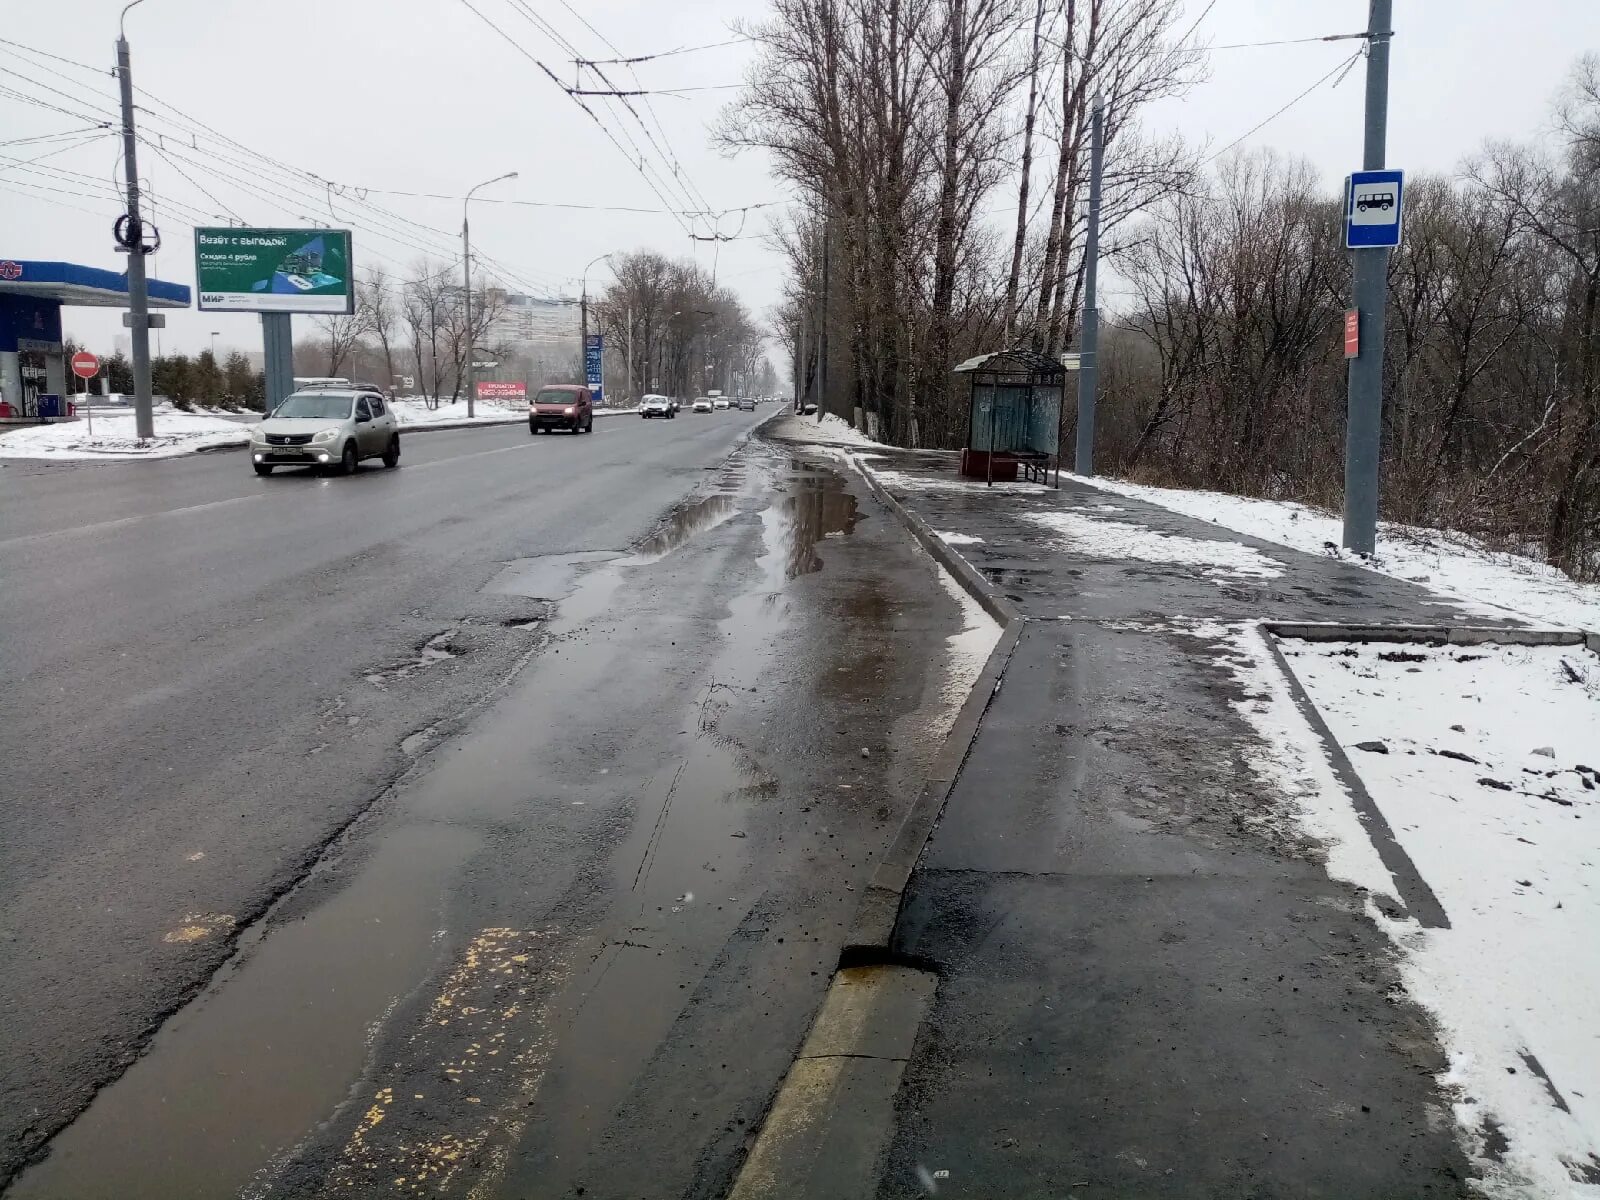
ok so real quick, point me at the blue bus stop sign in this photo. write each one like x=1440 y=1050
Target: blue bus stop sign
x=1372 y=208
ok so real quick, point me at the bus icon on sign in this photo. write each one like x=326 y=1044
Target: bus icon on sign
x=1381 y=201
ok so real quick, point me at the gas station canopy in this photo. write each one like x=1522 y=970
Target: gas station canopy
x=70 y=283
x=31 y=296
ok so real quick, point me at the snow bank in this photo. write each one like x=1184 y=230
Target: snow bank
x=412 y=411
x=1509 y=841
x=1452 y=564
x=1107 y=538
x=177 y=432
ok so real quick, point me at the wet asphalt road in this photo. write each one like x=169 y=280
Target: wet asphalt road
x=537 y=843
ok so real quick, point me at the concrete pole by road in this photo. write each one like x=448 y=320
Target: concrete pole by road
x=138 y=294
x=1089 y=343
x=466 y=295
x=1364 y=405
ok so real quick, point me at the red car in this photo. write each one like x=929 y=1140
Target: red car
x=562 y=406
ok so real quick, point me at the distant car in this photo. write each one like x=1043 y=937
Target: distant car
x=721 y=402
x=703 y=404
x=319 y=427
x=747 y=404
x=561 y=406
x=657 y=406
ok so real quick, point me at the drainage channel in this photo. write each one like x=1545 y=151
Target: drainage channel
x=282 y=1038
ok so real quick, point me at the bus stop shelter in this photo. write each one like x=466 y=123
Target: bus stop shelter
x=31 y=296
x=1013 y=415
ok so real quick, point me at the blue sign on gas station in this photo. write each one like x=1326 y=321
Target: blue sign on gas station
x=1372 y=208
x=593 y=357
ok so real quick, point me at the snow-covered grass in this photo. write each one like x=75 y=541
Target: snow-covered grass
x=1106 y=538
x=1452 y=564
x=1510 y=845
x=413 y=410
x=177 y=432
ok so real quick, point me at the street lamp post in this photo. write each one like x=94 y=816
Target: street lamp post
x=583 y=319
x=466 y=296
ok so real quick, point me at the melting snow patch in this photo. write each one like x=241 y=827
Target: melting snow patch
x=1120 y=539
x=1449 y=563
x=1507 y=837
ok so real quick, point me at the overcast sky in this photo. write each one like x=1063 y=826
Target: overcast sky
x=422 y=96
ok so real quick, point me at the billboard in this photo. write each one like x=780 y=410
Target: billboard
x=274 y=270
x=593 y=357
x=495 y=389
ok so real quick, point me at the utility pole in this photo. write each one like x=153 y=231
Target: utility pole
x=627 y=350
x=133 y=240
x=466 y=295
x=1089 y=342
x=822 y=327
x=466 y=299
x=1364 y=406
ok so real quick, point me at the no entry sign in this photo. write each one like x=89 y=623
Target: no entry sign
x=85 y=365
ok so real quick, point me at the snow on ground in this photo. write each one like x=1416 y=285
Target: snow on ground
x=837 y=429
x=1510 y=845
x=1106 y=538
x=177 y=432
x=968 y=650
x=1452 y=564
x=413 y=410
x=905 y=482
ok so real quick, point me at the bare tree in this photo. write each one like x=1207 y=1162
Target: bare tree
x=375 y=293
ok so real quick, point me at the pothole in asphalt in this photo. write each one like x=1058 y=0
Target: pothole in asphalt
x=437 y=649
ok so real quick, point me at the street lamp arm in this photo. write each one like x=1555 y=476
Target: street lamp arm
x=122 y=20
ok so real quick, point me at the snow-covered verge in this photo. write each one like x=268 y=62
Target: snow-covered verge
x=1449 y=563
x=413 y=411
x=830 y=430
x=1106 y=537
x=1508 y=838
x=177 y=432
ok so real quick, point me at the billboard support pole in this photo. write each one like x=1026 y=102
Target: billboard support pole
x=277 y=345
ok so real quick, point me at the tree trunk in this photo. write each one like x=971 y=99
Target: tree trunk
x=1014 y=283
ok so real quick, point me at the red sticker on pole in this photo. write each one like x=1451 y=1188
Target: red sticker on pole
x=85 y=365
x=1352 y=332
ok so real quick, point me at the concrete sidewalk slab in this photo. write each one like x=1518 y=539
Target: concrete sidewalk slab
x=1149 y=984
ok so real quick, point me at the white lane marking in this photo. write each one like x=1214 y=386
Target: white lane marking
x=122 y=522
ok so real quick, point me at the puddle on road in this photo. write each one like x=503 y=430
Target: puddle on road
x=818 y=507
x=684 y=523
x=236 y=1079
x=272 y=1047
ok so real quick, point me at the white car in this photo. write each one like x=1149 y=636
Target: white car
x=703 y=404
x=722 y=402
x=326 y=428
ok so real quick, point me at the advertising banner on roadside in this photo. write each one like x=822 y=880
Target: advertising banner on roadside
x=500 y=389
x=274 y=270
x=594 y=352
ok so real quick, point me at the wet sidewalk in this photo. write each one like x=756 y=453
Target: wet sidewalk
x=1149 y=986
